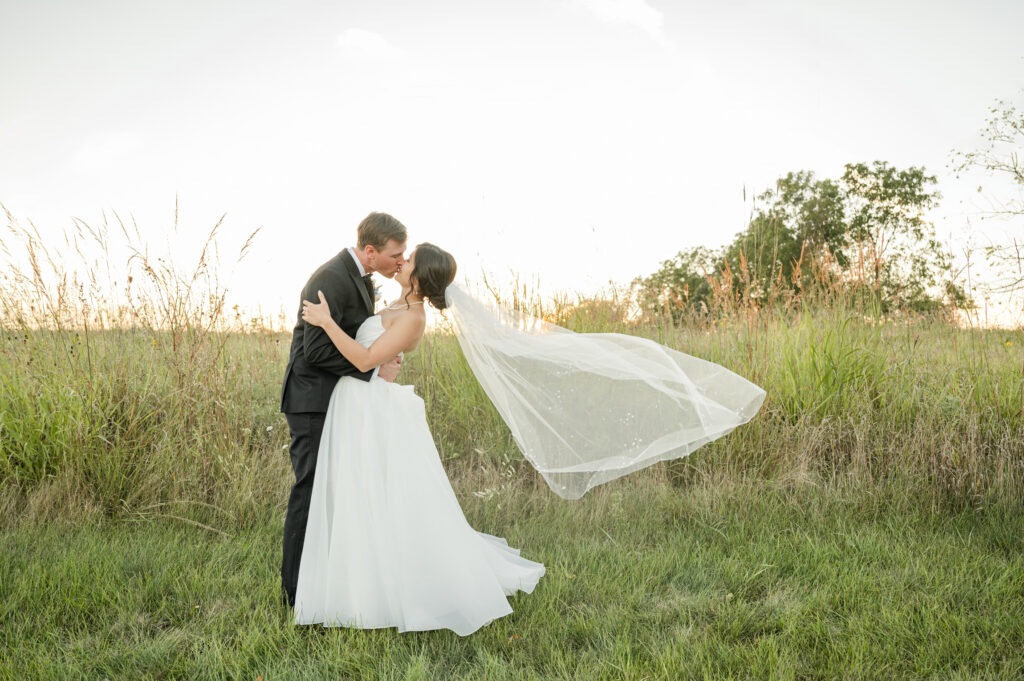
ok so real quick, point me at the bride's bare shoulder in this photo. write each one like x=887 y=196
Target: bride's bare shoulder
x=411 y=322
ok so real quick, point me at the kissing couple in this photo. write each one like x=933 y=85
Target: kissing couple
x=374 y=535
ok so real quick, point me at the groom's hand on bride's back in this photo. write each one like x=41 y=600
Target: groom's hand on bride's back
x=389 y=370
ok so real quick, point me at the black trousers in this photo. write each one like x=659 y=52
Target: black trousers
x=306 y=430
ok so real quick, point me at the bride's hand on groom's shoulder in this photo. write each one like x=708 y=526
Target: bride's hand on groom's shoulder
x=317 y=314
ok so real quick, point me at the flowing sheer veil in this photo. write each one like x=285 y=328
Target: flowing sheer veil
x=586 y=408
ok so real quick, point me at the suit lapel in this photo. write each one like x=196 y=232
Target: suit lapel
x=353 y=272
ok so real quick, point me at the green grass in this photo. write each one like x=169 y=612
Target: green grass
x=645 y=580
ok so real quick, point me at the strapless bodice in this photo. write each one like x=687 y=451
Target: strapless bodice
x=370 y=330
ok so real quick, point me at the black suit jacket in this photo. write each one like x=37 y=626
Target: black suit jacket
x=314 y=364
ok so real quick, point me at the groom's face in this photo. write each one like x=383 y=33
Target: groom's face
x=387 y=260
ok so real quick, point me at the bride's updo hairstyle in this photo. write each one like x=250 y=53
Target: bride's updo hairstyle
x=434 y=270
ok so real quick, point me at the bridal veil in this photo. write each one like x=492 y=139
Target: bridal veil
x=586 y=408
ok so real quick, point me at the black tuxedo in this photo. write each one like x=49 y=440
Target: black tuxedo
x=314 y=367
x=314 y=364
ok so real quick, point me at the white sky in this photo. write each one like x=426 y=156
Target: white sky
x=573 y=142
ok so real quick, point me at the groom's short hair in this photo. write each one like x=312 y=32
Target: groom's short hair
x=377 y=229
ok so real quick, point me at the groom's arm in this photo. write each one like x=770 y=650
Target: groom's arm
x=317 y=347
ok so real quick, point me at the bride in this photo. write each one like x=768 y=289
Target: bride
x=387 y=544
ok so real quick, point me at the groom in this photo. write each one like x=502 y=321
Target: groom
x=315 y=365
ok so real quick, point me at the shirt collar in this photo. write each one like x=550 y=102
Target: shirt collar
x=362 y=270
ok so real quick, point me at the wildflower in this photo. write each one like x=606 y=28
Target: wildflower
x=270 y=428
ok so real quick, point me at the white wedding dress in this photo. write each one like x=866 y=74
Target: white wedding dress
x=387 y=544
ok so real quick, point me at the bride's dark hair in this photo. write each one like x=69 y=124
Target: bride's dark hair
x=434 y=270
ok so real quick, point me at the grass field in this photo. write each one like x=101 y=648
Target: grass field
x=720 y=579
x=866 y=524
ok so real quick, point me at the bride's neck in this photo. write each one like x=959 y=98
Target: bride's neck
x=407 y=296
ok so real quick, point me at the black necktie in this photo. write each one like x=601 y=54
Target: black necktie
x=368 y=282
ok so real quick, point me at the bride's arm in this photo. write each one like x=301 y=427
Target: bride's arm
x=401 y=335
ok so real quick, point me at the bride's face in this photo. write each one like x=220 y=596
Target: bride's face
x=405 y=269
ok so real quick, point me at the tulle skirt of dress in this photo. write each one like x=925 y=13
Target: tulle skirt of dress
x=387 y=544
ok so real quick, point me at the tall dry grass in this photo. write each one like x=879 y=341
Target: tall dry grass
x=130 y=390
x=129 y=387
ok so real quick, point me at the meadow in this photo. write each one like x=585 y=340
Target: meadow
x=866 y=524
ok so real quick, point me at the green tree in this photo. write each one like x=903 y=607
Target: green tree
x=682 y=285
x=897 y=252
x=866 y=232
x=799 y=226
